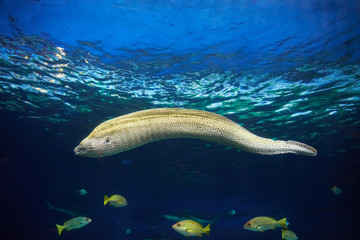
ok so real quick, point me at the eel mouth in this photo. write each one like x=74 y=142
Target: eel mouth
x=80 y=150
x=87 y=149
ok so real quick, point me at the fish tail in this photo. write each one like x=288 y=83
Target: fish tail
x=207 y=229
x=282 y=234
x=283 y=223
x=215 y=219
x=60 y=228
x=301 y=148
x=106 y=199
x=49 y=204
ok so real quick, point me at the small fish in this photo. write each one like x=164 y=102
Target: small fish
x=63 y=210
x=115 y=200
x=73 y=223
x=231 y=212
x=190 y=228
x=288 y=235
x=82 y=191
x=260 y=224
x=336 y=190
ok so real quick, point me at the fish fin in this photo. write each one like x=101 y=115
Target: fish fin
x=106 y=199
x=282 y=234
x=49 y=204
x=200 y=235
x=283 y=223
x=207 y=229
x=59 y=228
x=215 y=219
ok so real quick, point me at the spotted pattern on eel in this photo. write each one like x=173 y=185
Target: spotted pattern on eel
x=139 y=128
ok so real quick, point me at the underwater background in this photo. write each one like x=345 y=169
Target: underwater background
x=283 y=69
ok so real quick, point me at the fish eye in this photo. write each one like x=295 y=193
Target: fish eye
x=178 y=225
x=107 y=139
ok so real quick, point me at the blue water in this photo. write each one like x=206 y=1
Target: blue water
x=281 y=69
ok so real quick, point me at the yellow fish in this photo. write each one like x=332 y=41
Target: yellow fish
x=115 y=200
x=190 y=228
x=260 y=224
x=336 y=190
x=73 y=223
x=288 y=235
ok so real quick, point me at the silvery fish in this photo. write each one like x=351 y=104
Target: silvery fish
x=63 y=210
x=73 y=223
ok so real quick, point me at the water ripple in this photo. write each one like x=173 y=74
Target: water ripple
x=65 y=81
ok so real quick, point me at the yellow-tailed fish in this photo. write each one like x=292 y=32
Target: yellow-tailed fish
x=115 y=200
x=191 y=228
x=139 y=128
x=288 y=235
x=336 y=190
x=73 y=223
x=260 y=224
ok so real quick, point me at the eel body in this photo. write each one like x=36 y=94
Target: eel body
x=139 y=128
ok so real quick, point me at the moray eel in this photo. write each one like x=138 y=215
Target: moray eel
x=139 y=128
